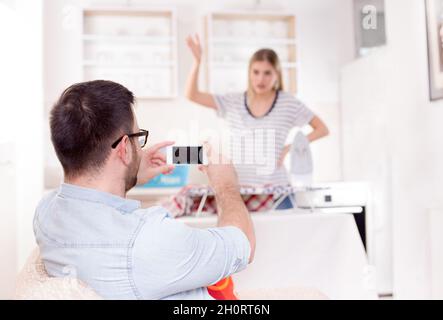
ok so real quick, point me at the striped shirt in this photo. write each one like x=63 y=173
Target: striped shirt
x=256 y=143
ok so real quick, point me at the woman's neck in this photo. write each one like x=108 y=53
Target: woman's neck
x=263 y=100
x=260 y=105
x=263 y=96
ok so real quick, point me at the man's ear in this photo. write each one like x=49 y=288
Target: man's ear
x=124 y=150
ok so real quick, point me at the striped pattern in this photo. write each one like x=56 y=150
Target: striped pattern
x=257 y=143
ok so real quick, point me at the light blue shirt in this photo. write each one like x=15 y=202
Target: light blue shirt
x=125 y=252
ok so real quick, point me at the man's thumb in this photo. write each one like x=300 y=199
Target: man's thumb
x=165 y=169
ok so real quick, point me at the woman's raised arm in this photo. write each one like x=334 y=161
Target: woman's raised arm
x=192 y=92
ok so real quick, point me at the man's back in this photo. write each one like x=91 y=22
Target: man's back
x=125 y=252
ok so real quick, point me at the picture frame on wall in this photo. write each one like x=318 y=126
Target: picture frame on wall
x=434 y=31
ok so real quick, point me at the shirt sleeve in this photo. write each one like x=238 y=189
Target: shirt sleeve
x=226 y=103
x=173 y=257
x=302 y=114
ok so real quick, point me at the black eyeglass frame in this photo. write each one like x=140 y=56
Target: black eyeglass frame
x=142 y=133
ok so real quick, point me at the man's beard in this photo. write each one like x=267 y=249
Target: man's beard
x=131 y=176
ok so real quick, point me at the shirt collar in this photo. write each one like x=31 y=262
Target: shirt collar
x=81 y=193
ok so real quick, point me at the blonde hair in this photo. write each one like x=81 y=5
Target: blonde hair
x=270 y=56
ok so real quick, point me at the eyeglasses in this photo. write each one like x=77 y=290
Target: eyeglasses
x=142 y=138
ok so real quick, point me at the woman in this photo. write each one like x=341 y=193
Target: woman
x=264 y=106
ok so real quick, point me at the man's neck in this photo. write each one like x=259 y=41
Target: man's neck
x=92 y=182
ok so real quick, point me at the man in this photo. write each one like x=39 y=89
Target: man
x=87 y=229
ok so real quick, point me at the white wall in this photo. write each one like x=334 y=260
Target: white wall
x=418 y=161
x=366 y=152
x=436 y=253
x=21 y=133
x=8 y=241
x=325 y=44
x=319 y=28
x=402 y=133
x=8 y=227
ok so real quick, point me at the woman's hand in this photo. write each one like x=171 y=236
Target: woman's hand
x=153 y=163
x=192 y=91
x=283 y=155
x=319 y=129
x=193 y=43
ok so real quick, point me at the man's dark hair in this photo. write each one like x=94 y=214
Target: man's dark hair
x=86 y=120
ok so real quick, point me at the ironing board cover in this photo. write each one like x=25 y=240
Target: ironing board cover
x=257 y=198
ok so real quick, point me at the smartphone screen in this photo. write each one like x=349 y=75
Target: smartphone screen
x=187 y=155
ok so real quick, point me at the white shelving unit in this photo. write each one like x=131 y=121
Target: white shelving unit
x=233 y=36
x=136 y=47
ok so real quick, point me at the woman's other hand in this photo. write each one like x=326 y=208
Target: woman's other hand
x=193 y=43
x=283 y=155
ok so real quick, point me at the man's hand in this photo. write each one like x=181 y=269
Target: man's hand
x=153 y=163
x=231 y=208
x=220 y=171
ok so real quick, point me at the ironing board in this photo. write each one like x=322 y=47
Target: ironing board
x=276 y=193
x=191 y=200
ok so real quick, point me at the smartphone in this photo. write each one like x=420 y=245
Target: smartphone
x=185 y=155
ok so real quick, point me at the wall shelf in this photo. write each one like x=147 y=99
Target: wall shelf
x=233 y=36
x=244 y=65
x=129 y=65
x=136 y=39
x=254 y=41
x=136 y=47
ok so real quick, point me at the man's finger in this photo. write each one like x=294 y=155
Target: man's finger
x=159 y=156
x=207 y=147
x=157 y=163
x=164 y=169
x=156 y=147
x=202 y=168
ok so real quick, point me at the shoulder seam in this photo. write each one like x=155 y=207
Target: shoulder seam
x=129 y=259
